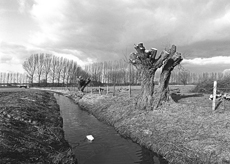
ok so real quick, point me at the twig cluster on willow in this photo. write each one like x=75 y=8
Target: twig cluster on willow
x=147 y=62
x=82 y=83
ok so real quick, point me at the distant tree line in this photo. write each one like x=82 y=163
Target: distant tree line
x=47 y=69
x=12 y=78
x=121 y=72
x=113 y=72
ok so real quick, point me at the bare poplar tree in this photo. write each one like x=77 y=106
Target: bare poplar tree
x=69 y=71
x=54 y=63
x=30 y=67
x=59 y=69
x=184 y=76
x=64 y=71
x=74 y=73
x=47 y=66
x=40 y=65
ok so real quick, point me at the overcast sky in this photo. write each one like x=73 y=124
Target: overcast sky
x=100 y=30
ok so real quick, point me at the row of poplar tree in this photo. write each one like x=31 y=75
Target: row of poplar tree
x=122 y=72
x=58 y=71
x=49 y=69
x=12 y=78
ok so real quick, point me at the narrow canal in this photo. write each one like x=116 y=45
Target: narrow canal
x=108 y=147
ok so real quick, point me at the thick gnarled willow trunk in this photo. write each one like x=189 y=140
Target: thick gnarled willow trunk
x=147 y=62
x=147 y=88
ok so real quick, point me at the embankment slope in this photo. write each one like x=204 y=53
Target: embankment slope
x=181 y=133
x=31 y=128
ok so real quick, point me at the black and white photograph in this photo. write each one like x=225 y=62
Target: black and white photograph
x=114 y=82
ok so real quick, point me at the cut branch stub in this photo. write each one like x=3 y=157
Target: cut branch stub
x=153 y=53
x=160 y=60
x=147 y=58
x=177 y=58
x=172 y=50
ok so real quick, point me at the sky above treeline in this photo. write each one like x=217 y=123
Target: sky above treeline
x=90 y=31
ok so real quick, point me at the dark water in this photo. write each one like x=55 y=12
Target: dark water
x=108 y=146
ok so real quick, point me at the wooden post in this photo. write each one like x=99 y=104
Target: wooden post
x=223 y=103
x=91 y=90
x=107 y=89
x=114 y=90
x=129 y=90
x=99 y=90
x=214 y=95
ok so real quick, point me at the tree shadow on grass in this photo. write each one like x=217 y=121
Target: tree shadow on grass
x=177 y=97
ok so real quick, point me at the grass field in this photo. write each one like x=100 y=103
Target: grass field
x=134 y=89
x=187 y=131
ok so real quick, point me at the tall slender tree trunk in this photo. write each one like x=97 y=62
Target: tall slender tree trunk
x=46 y=79
x=53 y=79
x=32 y=80
x=39 y=80
x=58 y=81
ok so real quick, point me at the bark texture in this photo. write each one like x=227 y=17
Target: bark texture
x=147 y=62
x=163 y=92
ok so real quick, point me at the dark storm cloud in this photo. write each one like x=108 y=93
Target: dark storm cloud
x=207 y=48
x=15 y=53
x=103 y=29
x=98 y=30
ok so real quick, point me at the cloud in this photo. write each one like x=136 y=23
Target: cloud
x=207 y=48
x=212 y=64
x=10 y=50
x=13 y=55
x=205 y=61
x=102 y=29
x=69 y=54
x=22 y=6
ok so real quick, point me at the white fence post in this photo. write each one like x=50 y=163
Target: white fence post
x=214 y=95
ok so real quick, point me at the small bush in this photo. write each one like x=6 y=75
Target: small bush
x=206 y=86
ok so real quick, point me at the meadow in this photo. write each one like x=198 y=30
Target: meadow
x=187 y=131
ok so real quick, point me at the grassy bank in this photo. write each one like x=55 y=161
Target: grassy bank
x=31 y=128
x=181 y=133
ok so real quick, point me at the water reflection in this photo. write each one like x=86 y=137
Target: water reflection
x=108 y=146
